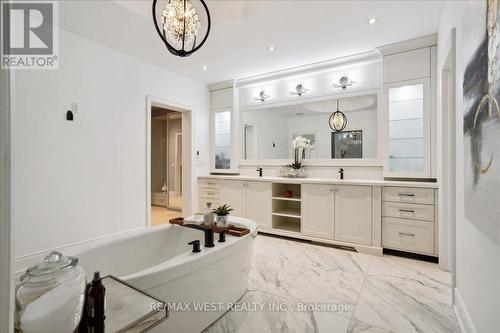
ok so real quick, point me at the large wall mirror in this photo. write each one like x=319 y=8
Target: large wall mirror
x=268 y=132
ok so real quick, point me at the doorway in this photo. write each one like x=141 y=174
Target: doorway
x=165 y=164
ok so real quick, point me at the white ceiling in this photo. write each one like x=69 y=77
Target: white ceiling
x=302 y=32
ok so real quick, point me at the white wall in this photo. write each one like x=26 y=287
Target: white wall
x=84 y=179
x=477 y=254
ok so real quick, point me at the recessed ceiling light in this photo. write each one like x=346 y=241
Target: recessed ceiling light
x=372 y=20
x=205 y=67
x=271 y=48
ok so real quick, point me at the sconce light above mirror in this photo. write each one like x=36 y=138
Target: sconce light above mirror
x=344 y=82
x=299 y=90
x=262 y=96
x=338 y=120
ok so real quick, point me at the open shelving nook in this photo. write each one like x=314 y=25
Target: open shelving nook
x=286 y=207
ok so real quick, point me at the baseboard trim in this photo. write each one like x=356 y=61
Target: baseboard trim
x=464 y=320
x=411 y=255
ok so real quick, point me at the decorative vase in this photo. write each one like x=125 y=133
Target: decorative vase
x=284 y=171
x=164 y=188
x=296 y=173
x=222 y=220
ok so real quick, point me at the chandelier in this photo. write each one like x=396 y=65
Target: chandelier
x=338 y=120
x=180 y=26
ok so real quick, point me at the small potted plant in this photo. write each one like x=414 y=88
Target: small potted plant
x=222 y=214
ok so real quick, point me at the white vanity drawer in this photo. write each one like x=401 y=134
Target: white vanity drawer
x=209 y=193
x=408 y=235
x=408 y=211
x=408 y=194
x=209 y=183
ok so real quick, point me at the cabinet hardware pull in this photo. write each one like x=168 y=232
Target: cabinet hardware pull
x=210 y=193
x=406 y=194
x=407 y=211
x=406 y=234
x=209 y=183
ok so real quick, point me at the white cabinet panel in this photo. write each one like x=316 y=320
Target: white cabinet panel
x=258 y=203
x=407 y=65
x=409 y=211
x=408 y=235
x=408 y=194
x=222 y=98
x=353 y=214
x=318 y=210
x=233 y=194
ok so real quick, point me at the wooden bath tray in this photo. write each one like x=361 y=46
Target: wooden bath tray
x=230 y=230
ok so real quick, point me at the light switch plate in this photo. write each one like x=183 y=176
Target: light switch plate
x=75 y=107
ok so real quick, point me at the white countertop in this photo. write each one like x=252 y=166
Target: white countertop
x=313 y=180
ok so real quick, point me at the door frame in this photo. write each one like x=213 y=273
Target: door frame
x=178 y=165
x=447 y=146
x=187 y=147
x=6 y=190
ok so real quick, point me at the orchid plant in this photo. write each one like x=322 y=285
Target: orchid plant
x=300 y=145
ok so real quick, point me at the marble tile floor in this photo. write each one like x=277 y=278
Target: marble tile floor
x=291 y=280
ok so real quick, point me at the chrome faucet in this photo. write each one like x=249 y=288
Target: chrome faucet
x=259 y=170
x=341 y=171
x=209 y=233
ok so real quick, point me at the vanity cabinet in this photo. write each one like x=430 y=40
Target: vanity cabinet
x=409 y=221
x=318 y=207
x=409 y=108
x=347 y=215
x=353 y=214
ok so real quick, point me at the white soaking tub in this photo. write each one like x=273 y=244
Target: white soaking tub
x=160 y=261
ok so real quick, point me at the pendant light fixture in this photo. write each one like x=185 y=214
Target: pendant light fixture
x=181 y=26
x=338 y=120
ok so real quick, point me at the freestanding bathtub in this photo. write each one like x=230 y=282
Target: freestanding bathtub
x=196 y=286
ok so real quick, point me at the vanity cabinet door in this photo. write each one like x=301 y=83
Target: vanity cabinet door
x=317 y=210
x=233 y=194
x=353 y=214
x=258 y=203
x=409 y=129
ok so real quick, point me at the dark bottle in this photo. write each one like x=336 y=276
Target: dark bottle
x=96 y=305
x=82 y=327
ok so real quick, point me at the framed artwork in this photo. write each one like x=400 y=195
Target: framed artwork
x=347 y=144
x=481 y=96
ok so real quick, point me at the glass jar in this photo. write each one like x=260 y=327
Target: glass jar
x=208 y=216
x=50 y=295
